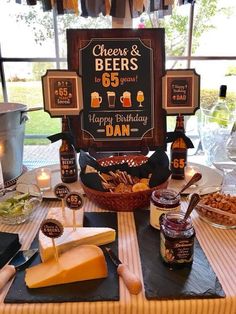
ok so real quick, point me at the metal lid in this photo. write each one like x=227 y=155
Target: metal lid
x=6 y=107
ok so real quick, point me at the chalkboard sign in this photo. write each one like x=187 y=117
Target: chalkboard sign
x=121 y=72
x=62 y=93
x=120 y=97
x=181 y=91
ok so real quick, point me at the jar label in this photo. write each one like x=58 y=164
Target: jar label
x=156 y=212
x=176 y=250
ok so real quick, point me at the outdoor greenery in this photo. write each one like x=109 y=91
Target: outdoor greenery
x=39 y=122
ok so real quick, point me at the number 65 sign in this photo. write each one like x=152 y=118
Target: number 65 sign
x=62 y=93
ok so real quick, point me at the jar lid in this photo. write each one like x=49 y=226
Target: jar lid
x=166 y=197
x=175 y=221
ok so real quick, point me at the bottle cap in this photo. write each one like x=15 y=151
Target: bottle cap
x=223 y=90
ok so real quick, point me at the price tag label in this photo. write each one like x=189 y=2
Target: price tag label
x=52 y=228
x=61 y=190
x=74 y=200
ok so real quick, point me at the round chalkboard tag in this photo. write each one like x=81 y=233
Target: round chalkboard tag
x=74 y=200
x=61 y=190
x=52 y=228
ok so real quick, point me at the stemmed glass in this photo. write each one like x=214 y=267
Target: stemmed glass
x=224 y=158
x=231 y=144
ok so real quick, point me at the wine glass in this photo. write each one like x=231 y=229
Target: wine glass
x=222 y=158
x=231 y=153
x=231 y=144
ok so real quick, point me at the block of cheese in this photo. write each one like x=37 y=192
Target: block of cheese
x=66 y=217
x=84 y=262
x=71 y=238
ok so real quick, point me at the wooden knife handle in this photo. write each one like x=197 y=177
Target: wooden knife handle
x=132 y=282
x=6 y=273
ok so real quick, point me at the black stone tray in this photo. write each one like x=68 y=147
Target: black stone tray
x=91 y=290
x=161 y=282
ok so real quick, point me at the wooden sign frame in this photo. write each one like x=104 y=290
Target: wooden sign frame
x=77 y=40
x=66 y=82
x=181 y=91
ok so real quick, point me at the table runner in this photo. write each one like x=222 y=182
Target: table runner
x=218 y=245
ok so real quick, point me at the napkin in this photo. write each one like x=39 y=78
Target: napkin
x=9 y=245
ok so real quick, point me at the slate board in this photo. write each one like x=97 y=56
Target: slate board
x=91 y=290
x=161 y=282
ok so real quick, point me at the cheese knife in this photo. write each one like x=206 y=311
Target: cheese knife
x=132 y=282
x=18 y=262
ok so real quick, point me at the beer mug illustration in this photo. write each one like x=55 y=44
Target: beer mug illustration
x=126 y=99
x=111 y=96
x=95 y=100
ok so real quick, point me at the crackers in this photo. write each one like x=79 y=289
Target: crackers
x=122 y=182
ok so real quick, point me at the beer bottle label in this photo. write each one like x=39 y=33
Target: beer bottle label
x=178 y=163
x=68 y=165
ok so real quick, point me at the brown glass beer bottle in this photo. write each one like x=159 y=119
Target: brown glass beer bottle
x=178 y=151
x=68 y=157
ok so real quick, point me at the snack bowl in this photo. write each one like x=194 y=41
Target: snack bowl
x=122 y=201
x=18 y=206
x=220 y=213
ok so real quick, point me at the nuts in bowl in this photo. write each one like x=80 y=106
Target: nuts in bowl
x=218 y=209
x=18 y=206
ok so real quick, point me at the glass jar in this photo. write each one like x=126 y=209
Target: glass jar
x=162 y=201
x=176 y=239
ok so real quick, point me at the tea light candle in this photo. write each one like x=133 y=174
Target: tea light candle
x=190 y=171
x=43 y=178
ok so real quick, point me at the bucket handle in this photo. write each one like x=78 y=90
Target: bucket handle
x=24 y=116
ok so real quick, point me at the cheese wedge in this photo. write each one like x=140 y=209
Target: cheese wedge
x=84 y=262
x=66 y=217
x=71 y=238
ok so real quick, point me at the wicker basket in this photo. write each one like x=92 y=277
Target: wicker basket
x=122 y=201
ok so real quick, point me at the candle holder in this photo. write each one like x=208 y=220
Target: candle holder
x=43 y=178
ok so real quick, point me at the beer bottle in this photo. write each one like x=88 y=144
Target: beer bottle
x=68 y=157
x=178 y=151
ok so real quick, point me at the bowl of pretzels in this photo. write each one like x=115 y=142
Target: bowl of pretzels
x=122 y=190
x=218 y=209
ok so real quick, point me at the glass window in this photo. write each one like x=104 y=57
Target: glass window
x=213 y=74
x=213 y=27
x=30 y=46
x=29 y=31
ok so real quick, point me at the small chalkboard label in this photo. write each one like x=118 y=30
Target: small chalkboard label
x=61 y=190
x=74 y=200
x=181 y=91
x=51 y=228
x=62 y=92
